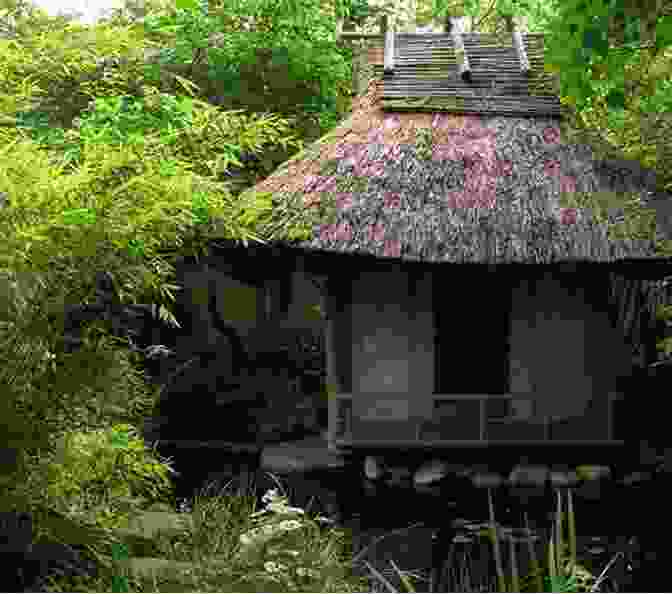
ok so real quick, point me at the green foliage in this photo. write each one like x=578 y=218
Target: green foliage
x=359 y=10
x=287 y=66
x=664 y=313
x=104 y=171
x=125 y=119
x=211 y=132
x=113 y=120
x=46 y=391
x=104 y=476
x=57 y=68
x=115 y=193
x=584 y=39
x=424 y=143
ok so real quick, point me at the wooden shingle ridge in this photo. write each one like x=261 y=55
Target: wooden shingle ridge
x=431 y=73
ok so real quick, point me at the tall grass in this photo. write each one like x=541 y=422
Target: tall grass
x=233 y=547
x=230 y=546
x=561 y=571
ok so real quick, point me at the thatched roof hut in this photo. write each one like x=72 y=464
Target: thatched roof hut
x=467 y=304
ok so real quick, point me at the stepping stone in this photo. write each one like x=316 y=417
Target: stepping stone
x=638 y=477
x=564 y=478
x=486 y=480
x=307 y=454
x=374 y=468
x=529 y=475
x=430 y=472
x=150 y=523
x=399 y=476
x=593 y=473
x=142 y=529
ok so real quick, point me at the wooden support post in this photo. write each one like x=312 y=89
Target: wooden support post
x=328 y=305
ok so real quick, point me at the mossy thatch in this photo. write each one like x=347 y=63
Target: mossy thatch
x=444 y=187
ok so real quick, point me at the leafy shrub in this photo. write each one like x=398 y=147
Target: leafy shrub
x=105 y=475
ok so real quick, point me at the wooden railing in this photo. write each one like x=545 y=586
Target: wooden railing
x=341 y=419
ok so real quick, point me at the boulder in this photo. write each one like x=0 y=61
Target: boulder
x=150 y=524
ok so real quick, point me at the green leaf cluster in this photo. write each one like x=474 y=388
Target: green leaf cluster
x=104 y=475
x=424 y=143
x=288 y=63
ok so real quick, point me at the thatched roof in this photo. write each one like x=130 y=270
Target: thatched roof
x=488 y=188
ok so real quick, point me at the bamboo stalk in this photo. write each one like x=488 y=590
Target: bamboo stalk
x=328 y=305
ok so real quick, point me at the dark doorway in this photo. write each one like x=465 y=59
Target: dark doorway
x=472 y=310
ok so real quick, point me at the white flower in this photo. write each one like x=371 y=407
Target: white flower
x=155 y=350
x=281 y=507
x=260 y=535
x=277 y=504
x=273 y=567
x=270 y=495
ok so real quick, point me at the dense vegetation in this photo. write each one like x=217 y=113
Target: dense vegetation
x=107 y=163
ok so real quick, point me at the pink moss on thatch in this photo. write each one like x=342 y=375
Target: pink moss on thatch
x=493 y=188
